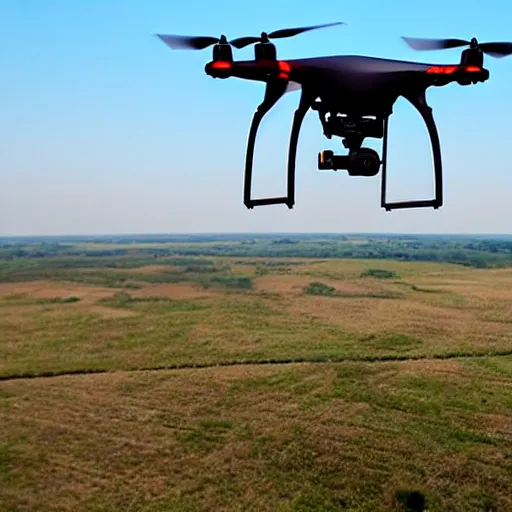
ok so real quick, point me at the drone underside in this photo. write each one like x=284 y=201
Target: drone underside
x=353 y=95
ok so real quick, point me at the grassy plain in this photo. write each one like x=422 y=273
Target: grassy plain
x=289 y=384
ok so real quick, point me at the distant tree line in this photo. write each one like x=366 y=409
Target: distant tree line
x=475 y=251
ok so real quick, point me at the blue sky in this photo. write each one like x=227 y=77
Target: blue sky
x=104 y=129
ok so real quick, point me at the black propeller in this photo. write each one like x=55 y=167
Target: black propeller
x=177 y=42
x=241 y=42
x=493 y=49
x=190 y=42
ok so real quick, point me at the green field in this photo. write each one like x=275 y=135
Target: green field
x=261 y=372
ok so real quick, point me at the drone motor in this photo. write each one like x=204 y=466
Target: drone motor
x=222 y=51
x=265 y=50
x=472 y=56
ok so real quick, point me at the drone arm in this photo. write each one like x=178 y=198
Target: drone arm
x=420 y=103
x=273 y=93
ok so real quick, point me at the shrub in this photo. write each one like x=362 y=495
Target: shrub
x=379 y=273
x=60 y=300
x=317 y=288
x=234 y=282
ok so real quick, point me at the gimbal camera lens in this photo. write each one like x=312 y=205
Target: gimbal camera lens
x=364 y=162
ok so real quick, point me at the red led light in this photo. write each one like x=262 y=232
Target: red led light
x=472 y=69
x=283 y=76
x=284 y=66
x=442 y=70
x=221 y=64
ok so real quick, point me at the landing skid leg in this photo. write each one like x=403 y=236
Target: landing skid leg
x=420 y=103
x=298 y=118
x=273 y=93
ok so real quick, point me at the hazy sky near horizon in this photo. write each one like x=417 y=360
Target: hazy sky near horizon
x=103 y=129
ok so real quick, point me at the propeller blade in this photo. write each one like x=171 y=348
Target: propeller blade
x=290 y=32
x=496 y=50
x=434 y=44
x=187 y=42
x=241 y=42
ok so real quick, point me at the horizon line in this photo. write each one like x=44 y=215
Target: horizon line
x=252 y=233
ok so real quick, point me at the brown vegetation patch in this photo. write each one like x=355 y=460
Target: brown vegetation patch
x=149 y=269
x=51 y=289
x=237 y=438
x=111 y=312
x=498 y=425
x=352 y=268
x=295 y=284
x=248 y=270
x=174 y=291
x=432 y=367
x=486 y=291
x=88 y=295
x=442 y=327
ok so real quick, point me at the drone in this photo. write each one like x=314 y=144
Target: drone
x=353 y=95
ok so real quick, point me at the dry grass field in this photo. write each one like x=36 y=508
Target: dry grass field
x=138 y=393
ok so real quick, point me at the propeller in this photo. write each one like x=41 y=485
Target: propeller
x=241 y=42
x=496 y=50
x=177 y=42
x=190 y=42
